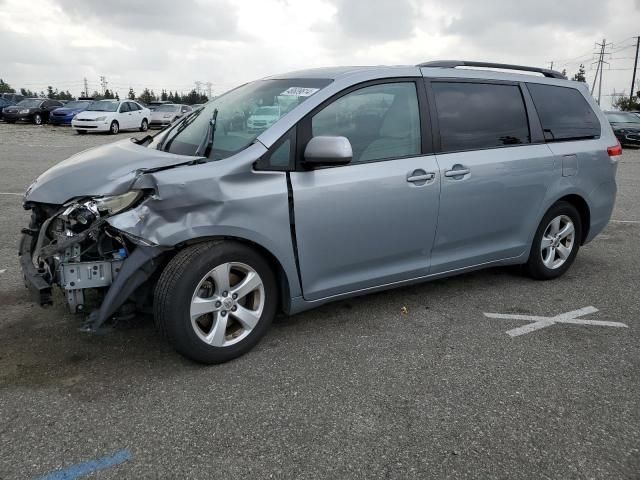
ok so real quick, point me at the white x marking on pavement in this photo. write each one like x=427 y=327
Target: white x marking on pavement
x=542 y=322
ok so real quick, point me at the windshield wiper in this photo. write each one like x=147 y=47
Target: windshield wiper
x=207 y=141
x=179 y=126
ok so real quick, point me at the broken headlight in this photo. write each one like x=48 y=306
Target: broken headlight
x=117 y=203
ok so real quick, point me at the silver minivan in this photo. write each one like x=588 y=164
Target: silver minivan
x=369 y=178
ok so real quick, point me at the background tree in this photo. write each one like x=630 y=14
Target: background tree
x=132 y=94
x=163 y=95
x=117 y=97
x=108 y=94
x=625 y=104
x=564 y=72
x=581 y=75
x=145 y=96
x=5 y=87
x=27 y=93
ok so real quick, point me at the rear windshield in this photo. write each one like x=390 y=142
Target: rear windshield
x=564 y=113
x=77 y=104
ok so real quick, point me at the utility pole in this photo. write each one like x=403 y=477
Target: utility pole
x=209 y=85
x=103 y=83
x=86 y=87
x=635 y=67
x=551 y=65
x=598 y=77
x=198 y=84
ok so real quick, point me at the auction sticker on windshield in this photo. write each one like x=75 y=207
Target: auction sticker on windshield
x=300 y=91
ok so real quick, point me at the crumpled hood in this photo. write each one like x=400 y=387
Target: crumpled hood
x=106 y=170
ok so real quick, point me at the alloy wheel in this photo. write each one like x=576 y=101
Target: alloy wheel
x=557 y=242
x=227 y=304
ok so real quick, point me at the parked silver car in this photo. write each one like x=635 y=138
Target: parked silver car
x=375 y=177
x=164 y=115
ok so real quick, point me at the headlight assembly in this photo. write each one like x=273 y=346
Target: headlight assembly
x=117 y=203
x=26 y=110
x=99 y=119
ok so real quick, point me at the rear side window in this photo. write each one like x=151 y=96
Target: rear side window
x=474 y=116
x=564 y=113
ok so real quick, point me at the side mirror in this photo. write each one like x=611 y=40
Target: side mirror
x=328 y=151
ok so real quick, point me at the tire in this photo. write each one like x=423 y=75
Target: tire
x=554 y=258
x=81 y=132
x=37 y=119
x=189 y=273
x=114 y=128
x=144 y=126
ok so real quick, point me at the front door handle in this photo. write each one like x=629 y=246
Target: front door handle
x=421 y=178
x=457 y=171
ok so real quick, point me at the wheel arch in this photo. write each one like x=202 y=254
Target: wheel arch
x=284 y=300
x=583 y=209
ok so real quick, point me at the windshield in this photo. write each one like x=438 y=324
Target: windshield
x=623 y=118
x=30 y=102
x=166 y=108
x=76 y=105
x=235 y=130
x=104 y=106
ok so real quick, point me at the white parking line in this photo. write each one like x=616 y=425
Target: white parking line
x=542 y=322
x=626 y=221
x=11 y=193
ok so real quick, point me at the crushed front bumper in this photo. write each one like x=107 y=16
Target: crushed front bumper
x=34 y=279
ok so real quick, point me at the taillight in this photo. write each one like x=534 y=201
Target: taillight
x=615 y=150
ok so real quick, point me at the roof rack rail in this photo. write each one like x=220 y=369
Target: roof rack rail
x=465 y=63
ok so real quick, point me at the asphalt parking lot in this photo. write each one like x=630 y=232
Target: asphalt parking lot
x=410 y=383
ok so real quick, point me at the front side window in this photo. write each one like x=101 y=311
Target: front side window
x=474 y=116
x=242 y=115
x=124 y=107
x=564 y=113
x=381 y=121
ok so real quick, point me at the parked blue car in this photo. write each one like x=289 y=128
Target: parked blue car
x=64 y=115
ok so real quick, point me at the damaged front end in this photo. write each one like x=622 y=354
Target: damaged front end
x=72 y=246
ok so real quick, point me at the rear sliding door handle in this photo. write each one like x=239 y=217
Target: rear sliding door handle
x=457 y=172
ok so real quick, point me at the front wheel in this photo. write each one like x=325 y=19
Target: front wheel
x=144 y=126
x=556 y=242
x=214 y=301
x=114 y=128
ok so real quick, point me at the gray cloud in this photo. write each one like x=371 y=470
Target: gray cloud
x=473 y=17
x=376 y=20
x=212 y=20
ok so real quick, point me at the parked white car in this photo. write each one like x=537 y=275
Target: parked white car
x=112 y=116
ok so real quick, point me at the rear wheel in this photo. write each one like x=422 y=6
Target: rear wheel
x=556 y=242
x=114 y=128
x=214 y=301
x=37 y=119
x=144 y=126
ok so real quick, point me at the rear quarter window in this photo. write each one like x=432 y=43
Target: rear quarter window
x=564 y=113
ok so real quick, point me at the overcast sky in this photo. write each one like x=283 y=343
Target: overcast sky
x=171 y=44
